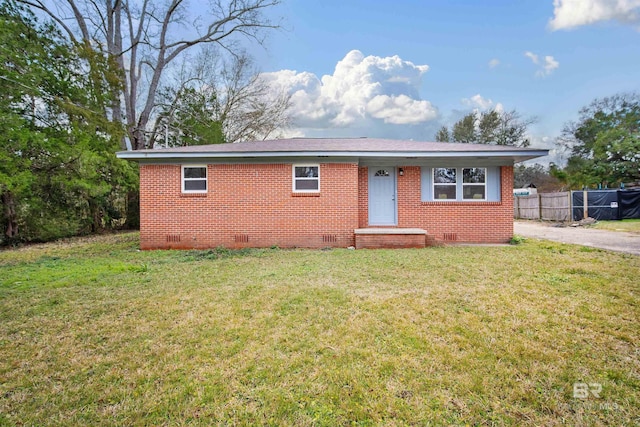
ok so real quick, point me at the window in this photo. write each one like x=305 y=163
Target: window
x=461 y=184
x=194 y=179
x=474 y=183
x=382 y=172
x=444 y=183
x=306 y=178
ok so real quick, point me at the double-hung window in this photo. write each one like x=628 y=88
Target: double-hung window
x=461 y=184
x=445 y=183
x=474 y=183
x=194 y=179
x=306 y=178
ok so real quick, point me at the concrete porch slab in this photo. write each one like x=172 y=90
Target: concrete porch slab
x=372 y=230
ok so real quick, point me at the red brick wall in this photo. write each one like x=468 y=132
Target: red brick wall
x=248 y=205
x=473 y=222
x=363 y=197
x=253 y=205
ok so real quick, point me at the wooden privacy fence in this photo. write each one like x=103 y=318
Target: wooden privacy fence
x=546 y=206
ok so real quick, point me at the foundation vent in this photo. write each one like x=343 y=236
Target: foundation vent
x=241 y=238
x=329 y=238
x=450 y=237
x=173 y=238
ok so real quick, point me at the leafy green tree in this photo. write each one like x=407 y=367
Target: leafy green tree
x=443 y=135
x=58 y=174
x=604 y=143
x=464 y=129
x=490 y=127
x=191 y=119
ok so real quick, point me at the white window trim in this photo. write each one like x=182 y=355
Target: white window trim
x=183 y=179
x=293 y=176
x=459 y=184
x=450 y=184
x=484 y=184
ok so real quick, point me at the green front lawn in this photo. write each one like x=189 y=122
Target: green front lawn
x=95 y=332
x=628 y=225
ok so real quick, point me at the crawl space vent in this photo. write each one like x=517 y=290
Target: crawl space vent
x=450 y=237
x=241 y=238
x=329 y=238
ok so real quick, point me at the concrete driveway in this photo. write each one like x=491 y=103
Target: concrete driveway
x=612 y=240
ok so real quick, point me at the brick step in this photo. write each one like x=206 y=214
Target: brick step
x=381 y=238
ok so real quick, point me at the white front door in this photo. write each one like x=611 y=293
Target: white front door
x=382 y=196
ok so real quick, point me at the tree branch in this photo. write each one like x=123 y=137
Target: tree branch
x=37 y=4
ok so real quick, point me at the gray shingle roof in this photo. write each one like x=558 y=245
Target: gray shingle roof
x=336 y=147
x=338 y=144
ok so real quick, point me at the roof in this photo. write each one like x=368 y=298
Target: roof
x=335 y=147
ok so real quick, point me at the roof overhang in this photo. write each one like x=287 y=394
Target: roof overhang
x=164 y=156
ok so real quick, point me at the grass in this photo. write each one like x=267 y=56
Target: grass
x=95 y=332
x=628 y=225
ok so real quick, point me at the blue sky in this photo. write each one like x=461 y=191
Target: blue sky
x=479 y=55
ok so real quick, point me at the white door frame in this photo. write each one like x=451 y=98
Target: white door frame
x=392 y=218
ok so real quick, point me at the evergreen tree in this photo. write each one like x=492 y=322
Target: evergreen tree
x=443 y=135
x=58 y=172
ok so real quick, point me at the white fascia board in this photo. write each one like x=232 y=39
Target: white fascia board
x=141 y=155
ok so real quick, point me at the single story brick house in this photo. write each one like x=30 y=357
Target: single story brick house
x=316 y=193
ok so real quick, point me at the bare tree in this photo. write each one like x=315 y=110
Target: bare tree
x=252 y=110
x=213 y=100
x=144 y=37
x=512 y=129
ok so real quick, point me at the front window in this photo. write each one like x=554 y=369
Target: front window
x=444 y=183
x=459 y=184
x=474 y=183
x=194 y=179
x=306 y=178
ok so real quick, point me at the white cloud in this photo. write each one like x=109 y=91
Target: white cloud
x=548 y=143
x=568 y=14
x=366 y=93
x=478 y=103
x=550 y=64
x=494 y=63
x=546 y=67
x=532 y=56
x=400 y=110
